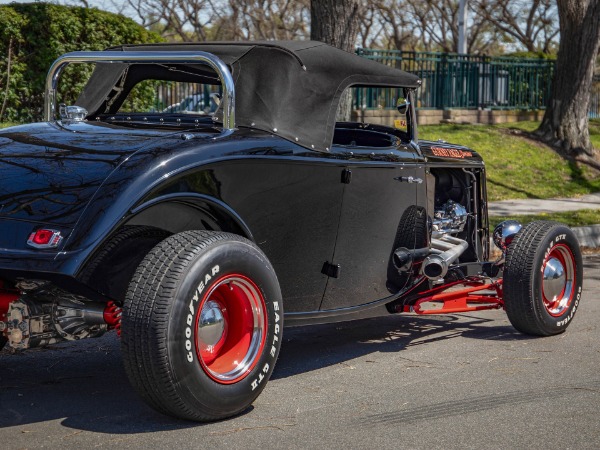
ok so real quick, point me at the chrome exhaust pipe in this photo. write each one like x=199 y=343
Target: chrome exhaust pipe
x=436 y=265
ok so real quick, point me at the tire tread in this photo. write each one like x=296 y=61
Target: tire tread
x=518 y=276
x=145 y=319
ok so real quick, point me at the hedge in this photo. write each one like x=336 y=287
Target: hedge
x=33 y=35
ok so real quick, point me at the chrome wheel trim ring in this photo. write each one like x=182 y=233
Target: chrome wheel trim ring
x=558 y=280
x=227 y=294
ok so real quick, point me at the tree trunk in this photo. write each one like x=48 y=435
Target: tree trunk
x=565 y=123
x=336 y=23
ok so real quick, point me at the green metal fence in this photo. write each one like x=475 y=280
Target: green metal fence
x=463 y=81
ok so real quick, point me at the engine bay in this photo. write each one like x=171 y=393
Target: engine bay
x=458 y=209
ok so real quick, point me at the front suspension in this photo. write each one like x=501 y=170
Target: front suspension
x=471 y=294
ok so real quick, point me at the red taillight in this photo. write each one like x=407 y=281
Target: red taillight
x=45 y=238
x=42 y=237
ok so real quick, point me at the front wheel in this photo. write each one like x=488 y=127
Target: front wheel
x=543 y=277
x=202 y=324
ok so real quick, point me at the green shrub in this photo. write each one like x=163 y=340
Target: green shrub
x=36 y=34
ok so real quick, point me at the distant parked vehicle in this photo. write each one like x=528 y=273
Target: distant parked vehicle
x=195 y=104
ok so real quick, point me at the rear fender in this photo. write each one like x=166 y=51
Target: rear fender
x=113 y=263
x=182 y=212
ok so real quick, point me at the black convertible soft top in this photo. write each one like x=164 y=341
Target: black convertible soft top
x=290 y=88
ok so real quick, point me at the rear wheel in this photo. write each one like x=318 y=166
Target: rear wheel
x=202 y=325
x=543 y=278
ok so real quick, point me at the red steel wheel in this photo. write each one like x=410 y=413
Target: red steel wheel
x=230 y=329
x=558 y=280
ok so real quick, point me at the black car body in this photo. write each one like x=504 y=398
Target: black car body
x=354 y=219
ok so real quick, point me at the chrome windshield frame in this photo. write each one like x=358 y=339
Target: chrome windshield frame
x=158 y=57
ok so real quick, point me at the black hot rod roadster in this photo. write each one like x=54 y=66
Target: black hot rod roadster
x=189 y=229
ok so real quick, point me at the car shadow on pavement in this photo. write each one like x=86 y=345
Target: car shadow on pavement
x=84 y=384
x=337 y=343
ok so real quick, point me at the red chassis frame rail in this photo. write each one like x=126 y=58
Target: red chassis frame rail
x=475 y=295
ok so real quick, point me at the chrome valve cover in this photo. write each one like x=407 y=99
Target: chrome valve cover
x=451 y=218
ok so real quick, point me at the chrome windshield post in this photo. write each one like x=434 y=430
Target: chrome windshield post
x=159 y=57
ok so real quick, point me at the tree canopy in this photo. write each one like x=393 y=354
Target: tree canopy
x=494 y=26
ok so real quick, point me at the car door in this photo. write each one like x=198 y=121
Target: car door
x=381 y=191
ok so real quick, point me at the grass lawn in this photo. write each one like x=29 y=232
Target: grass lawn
x=595 y=132
x=6 y=124
x=579 y=218
x=518 y=167
x=532 y=126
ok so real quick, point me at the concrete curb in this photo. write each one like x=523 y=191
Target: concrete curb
x=588 y=236
x=519 y=207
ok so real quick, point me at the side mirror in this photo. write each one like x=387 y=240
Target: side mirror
x=402 y=104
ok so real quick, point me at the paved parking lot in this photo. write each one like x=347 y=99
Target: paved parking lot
x=462 y=381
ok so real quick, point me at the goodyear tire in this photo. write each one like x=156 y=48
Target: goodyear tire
x=543 y=277
x=202 y=324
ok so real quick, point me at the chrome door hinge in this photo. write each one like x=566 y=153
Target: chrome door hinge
x=346 y=176
x=331 y=270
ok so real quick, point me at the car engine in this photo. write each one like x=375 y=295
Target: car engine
x=455 y=190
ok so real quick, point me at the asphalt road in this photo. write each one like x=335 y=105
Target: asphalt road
x=462 y=381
